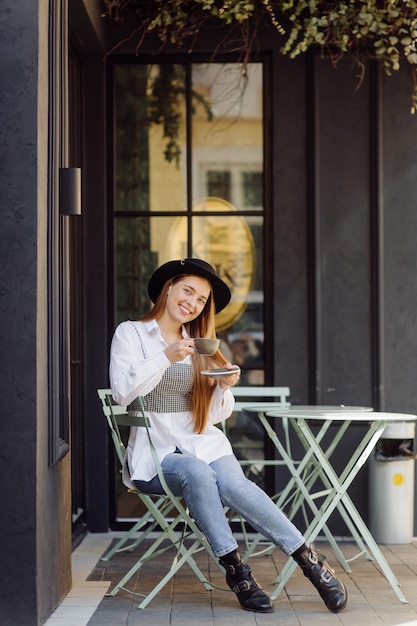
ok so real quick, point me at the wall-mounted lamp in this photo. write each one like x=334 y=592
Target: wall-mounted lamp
x=70 y=190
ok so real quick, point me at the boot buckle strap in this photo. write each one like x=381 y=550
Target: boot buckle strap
x=243 y=585
x=326 y=576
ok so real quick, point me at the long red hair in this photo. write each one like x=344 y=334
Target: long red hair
x=201 y=326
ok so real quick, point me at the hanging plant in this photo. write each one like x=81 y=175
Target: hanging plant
x=383 y=30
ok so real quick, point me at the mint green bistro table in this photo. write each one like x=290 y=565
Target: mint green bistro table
x=304 y=473
x=336 y=485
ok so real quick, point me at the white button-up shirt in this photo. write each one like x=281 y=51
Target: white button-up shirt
x=137 y=364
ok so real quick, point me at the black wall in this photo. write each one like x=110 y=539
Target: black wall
x=344 y=250
x=35 y=522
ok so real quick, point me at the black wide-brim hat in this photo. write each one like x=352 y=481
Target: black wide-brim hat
x=196 y=267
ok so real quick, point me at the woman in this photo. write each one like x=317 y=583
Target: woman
x=155 y=358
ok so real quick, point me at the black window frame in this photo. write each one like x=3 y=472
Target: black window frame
x=57 y=243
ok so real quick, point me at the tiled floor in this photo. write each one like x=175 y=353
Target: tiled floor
x=184 y=601
x=85 y=596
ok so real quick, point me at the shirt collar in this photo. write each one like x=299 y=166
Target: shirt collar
x=152 y=326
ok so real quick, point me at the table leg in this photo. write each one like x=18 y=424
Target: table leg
x=298 y=482
x=338 y=495
x=317 y=472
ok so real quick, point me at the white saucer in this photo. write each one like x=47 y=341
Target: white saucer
x=220 y=372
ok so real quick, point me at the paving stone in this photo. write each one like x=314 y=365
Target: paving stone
x=184 y=601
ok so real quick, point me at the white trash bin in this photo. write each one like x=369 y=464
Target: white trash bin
x=391 y=485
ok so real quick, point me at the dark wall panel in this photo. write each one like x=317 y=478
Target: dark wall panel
x=344 y=246
x=289 y=300
x=399 y=154
x=342 y=237
x=399 y=192
x=97 y=294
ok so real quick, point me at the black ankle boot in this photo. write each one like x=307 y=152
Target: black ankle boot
x=248 y=591
x=331 y=589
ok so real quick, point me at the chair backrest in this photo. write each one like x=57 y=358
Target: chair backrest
x=246 y=396
x=117 y=416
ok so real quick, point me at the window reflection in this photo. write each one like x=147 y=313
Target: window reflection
x=226 y=157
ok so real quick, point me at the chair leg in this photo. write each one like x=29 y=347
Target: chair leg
x=120 y=545
x=177 y=563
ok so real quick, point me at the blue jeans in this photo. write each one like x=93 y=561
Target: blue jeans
x=207 y=488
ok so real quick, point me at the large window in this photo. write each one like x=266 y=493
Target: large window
x=189 y=181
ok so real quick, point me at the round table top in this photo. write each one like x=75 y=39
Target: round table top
x=329 y=412
x=270 y=408
x=351 y=415
x=328 y=408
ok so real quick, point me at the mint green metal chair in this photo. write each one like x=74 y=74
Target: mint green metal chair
x=117 y=417
x=167 y=512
